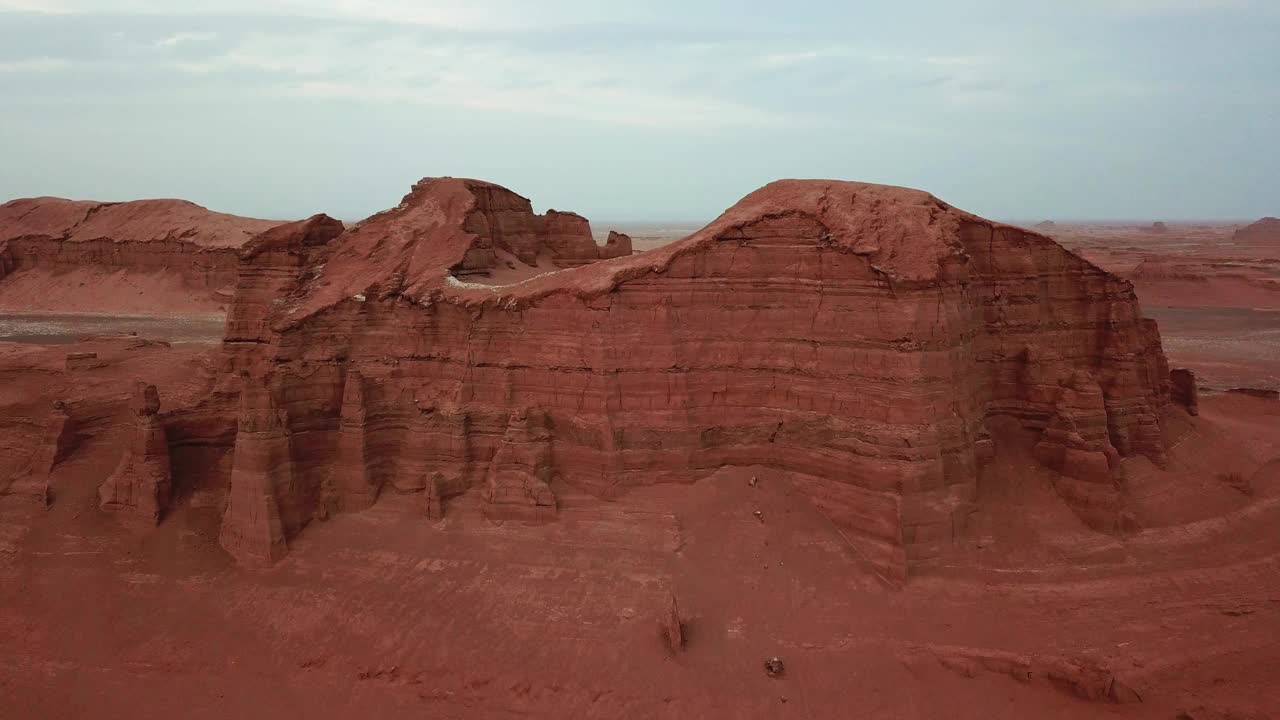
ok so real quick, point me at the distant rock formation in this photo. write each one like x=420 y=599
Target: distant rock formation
x=858 y=338
x=1265 y=232
x=141 y=487
x=1157 y=228
x=616 y=245
x=143 y=236
x=504 y=221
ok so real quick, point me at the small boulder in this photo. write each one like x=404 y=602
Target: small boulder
x=773 y=667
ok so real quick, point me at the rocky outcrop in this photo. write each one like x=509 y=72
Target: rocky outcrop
x=616 y=245
x=273 y=266
x=857 y=338
x=253 y=527
x=140 y=488
x=1183 y=389
x=502 y=221
x=1076 y=445
x=567 y=236
x=518 y=484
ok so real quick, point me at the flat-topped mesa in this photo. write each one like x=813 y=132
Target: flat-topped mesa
x=866 y=342
x=140 y=488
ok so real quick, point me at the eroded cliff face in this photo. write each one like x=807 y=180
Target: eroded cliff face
x=860 y=339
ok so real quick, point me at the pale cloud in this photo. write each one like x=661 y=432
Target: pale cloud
x=482 y=77
x=183 y=38
x=35 y=65
x=444 y=14
x=800 y=57
x=43 y=7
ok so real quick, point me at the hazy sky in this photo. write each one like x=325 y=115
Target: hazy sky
x=1014 y=109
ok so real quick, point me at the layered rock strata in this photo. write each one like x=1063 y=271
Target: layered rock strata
x=857 y=338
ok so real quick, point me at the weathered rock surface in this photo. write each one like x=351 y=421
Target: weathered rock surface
x=857 y=338
x=141 y=487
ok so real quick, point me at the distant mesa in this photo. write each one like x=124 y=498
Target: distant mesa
x=70 y=255
x=1264 y=232
x=1156 y=228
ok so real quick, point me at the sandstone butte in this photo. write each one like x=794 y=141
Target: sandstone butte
x=870 y=342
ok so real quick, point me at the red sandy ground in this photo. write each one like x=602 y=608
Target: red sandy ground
x=383 y=614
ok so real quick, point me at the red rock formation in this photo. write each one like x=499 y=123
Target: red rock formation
x=1076 y=444
x=272 y=266
x=567 y=236
x=1265 y=233
x=1183 y=389
x=617 y=245
x=670 y=624
x=141 y=487
x=518 y=484
x=253 y=527
x=56 y=235
x=856 y=337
